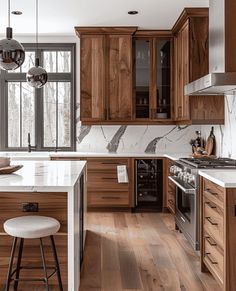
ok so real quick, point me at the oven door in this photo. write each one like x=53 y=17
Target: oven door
x=186 y=211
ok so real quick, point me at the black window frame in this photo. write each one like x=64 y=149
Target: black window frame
x=52 y=77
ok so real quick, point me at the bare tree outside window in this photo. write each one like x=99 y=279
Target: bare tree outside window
x=48 y=113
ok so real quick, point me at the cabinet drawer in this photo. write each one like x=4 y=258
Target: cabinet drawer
x=108 y=199
x=213 y=221
x=105 y=182
x=214 y=257
x=105 y=164
x=213 y=192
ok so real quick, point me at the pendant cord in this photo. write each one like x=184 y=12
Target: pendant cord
x=9 y=13
x=37 y=39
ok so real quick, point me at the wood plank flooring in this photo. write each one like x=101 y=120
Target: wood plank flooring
x=140 y=252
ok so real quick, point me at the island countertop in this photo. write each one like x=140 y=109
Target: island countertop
x=43 y=176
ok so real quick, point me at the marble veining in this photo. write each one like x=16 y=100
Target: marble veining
x=84 y=131
x=135 y=139
x=115 y=141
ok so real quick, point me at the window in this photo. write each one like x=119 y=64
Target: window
x=46 y=113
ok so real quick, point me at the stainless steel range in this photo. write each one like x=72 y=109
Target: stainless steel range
x=186 y=178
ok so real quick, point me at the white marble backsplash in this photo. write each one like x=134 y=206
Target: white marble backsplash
x=225 y=134
x=158 y=138
x=139 y=139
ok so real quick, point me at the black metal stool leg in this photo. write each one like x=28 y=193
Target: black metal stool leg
x=57 y=263
x=44 y=264
x=19 y=263
x=11 y=264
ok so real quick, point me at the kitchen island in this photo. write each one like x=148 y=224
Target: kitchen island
x=50 y=188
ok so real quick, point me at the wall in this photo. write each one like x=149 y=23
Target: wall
x=225 y=134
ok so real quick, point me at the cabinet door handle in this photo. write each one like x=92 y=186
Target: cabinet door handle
x=213 y=262
x=110 y=197
x=210 y=205
x=171 y=201
x=110 y=163
x=211 y=222
x=210 y=192
x=211 y=241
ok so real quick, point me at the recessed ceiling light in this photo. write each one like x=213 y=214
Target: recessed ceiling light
x=16 y=12
x=133 y=12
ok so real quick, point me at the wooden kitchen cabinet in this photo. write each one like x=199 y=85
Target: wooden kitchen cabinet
x=153 y=76
x=170 y=188
x=119 y=77
x=92 y=78
x=191 y=62
x=104 y=190
x=106 y=74
x=218 y=239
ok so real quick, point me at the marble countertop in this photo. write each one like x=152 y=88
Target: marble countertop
x=172 y=156
x=223 y=178
x=43 y=176
x=16 y=156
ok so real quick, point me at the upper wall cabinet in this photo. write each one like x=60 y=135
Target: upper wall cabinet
x=152 y=76
x=92 y=78
x=191 y=62
x=106 y=74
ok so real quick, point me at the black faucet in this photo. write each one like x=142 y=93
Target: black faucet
x=30 y=147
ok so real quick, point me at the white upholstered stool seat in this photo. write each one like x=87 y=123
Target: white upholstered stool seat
x=31 y=226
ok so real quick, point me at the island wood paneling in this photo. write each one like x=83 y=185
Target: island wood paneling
x=50 y=204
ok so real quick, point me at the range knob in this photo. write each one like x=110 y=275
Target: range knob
x=191 y=179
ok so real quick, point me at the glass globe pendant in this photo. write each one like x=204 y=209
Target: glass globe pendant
x=37 y=76
x=12 y=53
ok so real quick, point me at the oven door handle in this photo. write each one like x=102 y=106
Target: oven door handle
x=191 y=191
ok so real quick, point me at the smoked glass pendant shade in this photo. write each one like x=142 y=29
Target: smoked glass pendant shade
x=12 y=53
x=37 y=77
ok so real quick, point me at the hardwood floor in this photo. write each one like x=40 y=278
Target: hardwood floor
x=140 y=252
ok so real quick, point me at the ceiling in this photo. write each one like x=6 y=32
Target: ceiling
x=60 y=16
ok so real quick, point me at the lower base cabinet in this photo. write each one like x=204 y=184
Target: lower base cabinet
x=170 y=189
x=218 y=233
x=104 y=189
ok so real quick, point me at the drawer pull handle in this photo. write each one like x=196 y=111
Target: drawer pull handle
x=210 y=192
x=108 y=178
x=211 y=222
x=210 y=205
x=111 y=163
x=110 y=197
x=213 y=262
x=171 y=201
x=211 y=241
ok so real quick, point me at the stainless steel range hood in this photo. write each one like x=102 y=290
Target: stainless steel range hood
x=222 y=52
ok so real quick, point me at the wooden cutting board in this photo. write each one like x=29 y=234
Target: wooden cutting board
x=10 y=169
x=210 y=143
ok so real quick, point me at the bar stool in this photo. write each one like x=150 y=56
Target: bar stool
x=32 y=227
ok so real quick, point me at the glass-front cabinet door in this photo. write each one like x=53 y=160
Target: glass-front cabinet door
x=142 y=79
x=153 y=78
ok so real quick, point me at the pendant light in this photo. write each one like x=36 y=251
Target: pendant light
x=12 y=53
x=37 y=76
